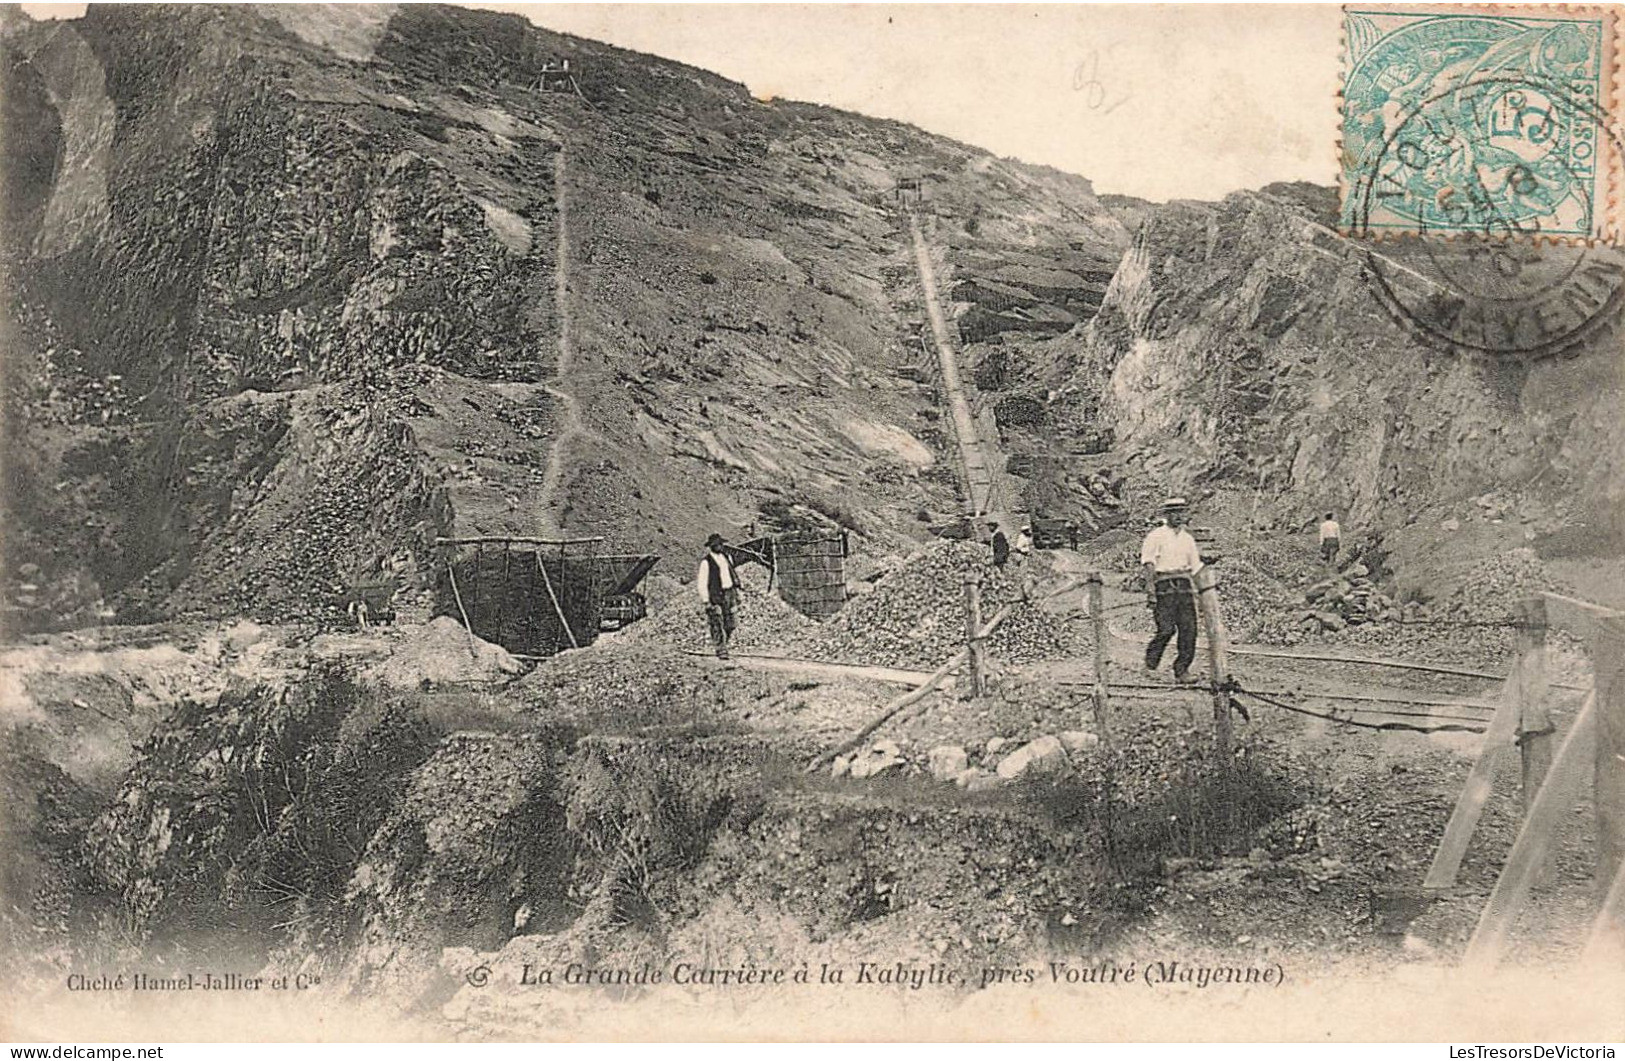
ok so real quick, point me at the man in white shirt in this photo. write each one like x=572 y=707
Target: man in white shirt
x=1330 y=533
x=718 y=590
x=1171 y=560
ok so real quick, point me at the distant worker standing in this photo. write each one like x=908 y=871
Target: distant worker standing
x=1001 y=544
x=1171 y=560
x=1330 y=533
x=718 y=590
x=1023 y=553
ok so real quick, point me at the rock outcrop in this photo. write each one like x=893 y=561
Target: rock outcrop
x=1242 y=343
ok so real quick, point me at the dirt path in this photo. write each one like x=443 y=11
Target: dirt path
x=570 y=423
x=813 y=669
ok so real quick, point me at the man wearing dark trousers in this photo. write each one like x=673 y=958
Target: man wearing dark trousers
x=1001 y=544
x=718 y=590
x=1171 y=560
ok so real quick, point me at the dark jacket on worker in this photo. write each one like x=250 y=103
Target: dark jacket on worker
x=718 y=572
x=1001 y=548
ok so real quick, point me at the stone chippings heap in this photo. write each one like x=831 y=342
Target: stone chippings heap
x=1488 y=592
x=1254 y=602
x=915 y=616
x=764 y=621
x=1347 y=599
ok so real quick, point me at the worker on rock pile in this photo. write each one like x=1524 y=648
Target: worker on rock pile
x=719 y=591
x=1330 y=540
x=1001 y=544
x=1171 y=560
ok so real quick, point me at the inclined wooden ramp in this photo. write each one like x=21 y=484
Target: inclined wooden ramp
x=981 y=462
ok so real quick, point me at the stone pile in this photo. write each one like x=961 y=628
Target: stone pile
x=1348 y=599
x=764 y=621
x=915 y=616
x=299 y=565
x=987 y=765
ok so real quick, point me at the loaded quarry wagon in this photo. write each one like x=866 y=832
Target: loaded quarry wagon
x=1055 y=534
x=622 y=602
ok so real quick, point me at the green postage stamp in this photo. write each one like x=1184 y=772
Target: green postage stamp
x=1480 y=121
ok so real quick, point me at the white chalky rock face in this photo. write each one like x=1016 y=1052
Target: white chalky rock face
x=1042 y=754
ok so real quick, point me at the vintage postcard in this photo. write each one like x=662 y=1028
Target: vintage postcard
x=812 y=522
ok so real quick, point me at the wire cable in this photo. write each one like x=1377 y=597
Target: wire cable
x=1448 y=727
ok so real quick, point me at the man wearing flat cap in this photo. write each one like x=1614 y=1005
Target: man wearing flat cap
x=718 y=590
x=1171 y=560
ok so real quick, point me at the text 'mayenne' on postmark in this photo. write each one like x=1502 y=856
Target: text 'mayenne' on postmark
x=1480 y=121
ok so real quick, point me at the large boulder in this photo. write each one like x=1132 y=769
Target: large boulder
x=1041 y=755
x=879 y=757
x=947 y=761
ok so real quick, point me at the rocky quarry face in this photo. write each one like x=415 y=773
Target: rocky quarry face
x=293 y=292
x=1241 y=344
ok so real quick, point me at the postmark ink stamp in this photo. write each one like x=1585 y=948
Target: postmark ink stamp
x=1481 y=164
x=1480 y=121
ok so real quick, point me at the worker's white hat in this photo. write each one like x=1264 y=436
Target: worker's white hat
x=1174 y=502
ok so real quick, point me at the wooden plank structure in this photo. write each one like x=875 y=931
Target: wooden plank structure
x=811 y=572
x=1551 y=783
x=532 y=596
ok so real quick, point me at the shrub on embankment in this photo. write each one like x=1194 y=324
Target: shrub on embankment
x=250 y=812
x=1164 y=794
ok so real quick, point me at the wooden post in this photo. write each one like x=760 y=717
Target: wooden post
x=1535 y=727
x=1207 y=592
x=974 y=646
x=501 y=633
x=554 y=597
x=1097 y=618
x=1608 y=664
x=1606 y=942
